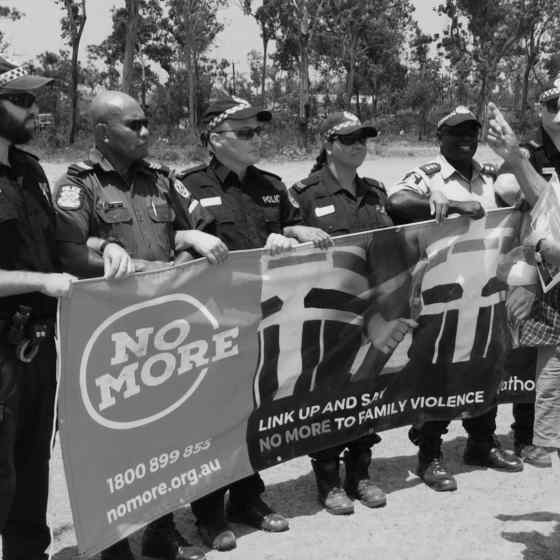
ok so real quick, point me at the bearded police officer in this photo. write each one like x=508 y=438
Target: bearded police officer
x=117 y=214
x=529 y=167
x=252 y=209
x=29 y=285
x=454 y=183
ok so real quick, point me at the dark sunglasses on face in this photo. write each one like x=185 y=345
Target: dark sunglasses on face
x=457 y=132
x=350 y=139
x=137 y=124
x=23 y=100
x=552 y=105
x=243 y=133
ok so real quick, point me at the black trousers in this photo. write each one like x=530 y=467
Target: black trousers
x=25 y=445
x=358 y=445
x=210 y=508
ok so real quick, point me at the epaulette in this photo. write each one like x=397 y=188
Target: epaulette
x=375 y=184
x=190 y=170
x=430 y=168
x=312 y=179
x=489 y=169
x=264 y=172
x=79 y=168
x=155 y=166
x=535 y=144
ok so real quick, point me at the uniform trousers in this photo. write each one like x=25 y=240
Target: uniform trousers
x=210 y=508
x=359 y=445
x=25 y=446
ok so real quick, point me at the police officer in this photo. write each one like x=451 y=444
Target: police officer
x=117 y=214
x=252 y=209
x=29 y=285
x=530 y=166
x=454 y=183
x=334 y=198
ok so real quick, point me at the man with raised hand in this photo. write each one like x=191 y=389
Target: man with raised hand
x=30 y=282
x=118 y=214
x=528 y=168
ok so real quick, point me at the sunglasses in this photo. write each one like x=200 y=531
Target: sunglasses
x=23 y=100
x=350 y=139
x=552 y=105
x=137 y=124
x=457 y=131
x=243 y=133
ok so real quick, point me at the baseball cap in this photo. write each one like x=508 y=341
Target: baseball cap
x=344 y=122
x=459 y=115
x=14 y=78
x=232 y=108
x=551 y=92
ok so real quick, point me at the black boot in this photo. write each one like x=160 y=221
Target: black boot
x=490 y=454
x=331 y=494
x=431 y=468
x=358 y=484
x=166 y=542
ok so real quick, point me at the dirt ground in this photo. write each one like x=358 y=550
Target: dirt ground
x=492 y=516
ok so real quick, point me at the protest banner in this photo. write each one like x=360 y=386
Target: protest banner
x=176 y=382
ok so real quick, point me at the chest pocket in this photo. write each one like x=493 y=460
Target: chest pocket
x=7 y=210
x=223 y=214
x=161 y=213
x=330 y=217
x=109 y=214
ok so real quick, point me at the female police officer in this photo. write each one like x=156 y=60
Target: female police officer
x=335 y=199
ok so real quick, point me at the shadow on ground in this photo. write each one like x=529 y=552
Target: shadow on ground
x=537 y=545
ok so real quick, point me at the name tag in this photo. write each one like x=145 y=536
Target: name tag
x=211 y=201
x=548 y=170
x=324 y=210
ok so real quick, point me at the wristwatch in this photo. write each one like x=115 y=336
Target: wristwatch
x=107 y=241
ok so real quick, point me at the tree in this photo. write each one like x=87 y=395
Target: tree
x=12 y=14
x=130 y=46
x=72 y=28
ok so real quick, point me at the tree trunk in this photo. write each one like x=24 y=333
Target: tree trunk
x=303 y=91
x=77 y=23
x=130 y=45
x=192 y=89
x=263 y=75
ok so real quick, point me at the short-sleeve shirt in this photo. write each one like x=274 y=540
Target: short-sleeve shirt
x=246 y=211
x=325 y=204
x=440 y=175
x=141 y=212
x=27 y=229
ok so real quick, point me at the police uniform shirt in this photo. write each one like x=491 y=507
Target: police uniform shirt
x=544 y=155
x=27 y=229
x=246 y=211
x=142 y=212
x=325 y=204
x=440 y=175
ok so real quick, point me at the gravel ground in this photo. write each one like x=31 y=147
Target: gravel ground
x=492 y=516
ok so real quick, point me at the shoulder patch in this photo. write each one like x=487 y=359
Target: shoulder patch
x=182 y=190
x=79 y=168
x=431 y=168
x=69 y=197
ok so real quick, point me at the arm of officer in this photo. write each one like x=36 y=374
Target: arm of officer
x=292 y=222
x=504 y=142
x=14 y=282
x=194 y=227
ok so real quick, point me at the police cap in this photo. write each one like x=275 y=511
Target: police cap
x=458 y=116
x=232 y=108
x=551 y=92
x=344 y=122
x=14 y=78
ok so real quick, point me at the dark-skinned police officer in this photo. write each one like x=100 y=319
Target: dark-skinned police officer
x=252 y=209
x=454 y=183
x=529 y=167
x=334 y=198
x=118 y=214
x=29 y=285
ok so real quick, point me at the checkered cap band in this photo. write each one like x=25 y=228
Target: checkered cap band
x=350 y=120
x=551 y=93
x=13 y=74
x=241 y=104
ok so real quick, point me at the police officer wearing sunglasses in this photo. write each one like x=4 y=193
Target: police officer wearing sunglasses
x=117 y=214
x=453 y=183
x=337 y=200
x=527 y=169
x=252 y=210
x=29 y=285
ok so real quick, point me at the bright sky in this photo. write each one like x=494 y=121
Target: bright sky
x=40 y=29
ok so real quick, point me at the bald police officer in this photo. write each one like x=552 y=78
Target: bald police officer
x=454 y=183
x=29 y=285
x=252 y=209
x=117 y=214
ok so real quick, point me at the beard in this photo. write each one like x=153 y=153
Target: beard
x=13 y=129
